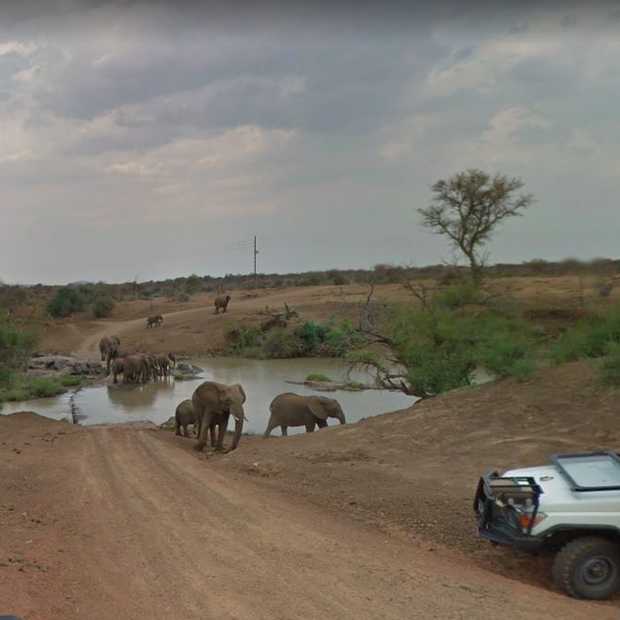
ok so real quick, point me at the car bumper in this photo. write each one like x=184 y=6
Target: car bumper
x=499 y=535
x=495 y=526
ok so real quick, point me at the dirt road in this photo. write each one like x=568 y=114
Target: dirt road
x=193 y=328
x=122 y=522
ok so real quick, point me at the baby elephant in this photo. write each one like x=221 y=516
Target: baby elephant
x=184 y=416
x=309 y=411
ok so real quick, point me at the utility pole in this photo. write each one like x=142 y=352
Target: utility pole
x=255 y=255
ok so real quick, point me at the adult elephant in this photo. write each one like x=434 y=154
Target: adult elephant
x=213 y=404
x=221 y=303
x=108 y=347
x=135 y=369
x=184 y=416
x=163 y=364
x=294 y=410
x=156 y=320
x=118 y=368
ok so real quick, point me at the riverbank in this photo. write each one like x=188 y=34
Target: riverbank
x=263 y=380
x=390 y=496
x=49 y=375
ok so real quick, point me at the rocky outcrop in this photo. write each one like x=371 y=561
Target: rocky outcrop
x=64 y=364
x=187 y=371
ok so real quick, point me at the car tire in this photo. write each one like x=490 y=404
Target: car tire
x=588 y=568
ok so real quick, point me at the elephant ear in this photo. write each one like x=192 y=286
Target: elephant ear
x=317 y=408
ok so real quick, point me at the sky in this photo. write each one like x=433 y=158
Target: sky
x=154 y=140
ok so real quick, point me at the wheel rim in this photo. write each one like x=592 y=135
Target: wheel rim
x=598 y=571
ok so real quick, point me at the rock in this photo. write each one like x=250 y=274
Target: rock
x=169 y=424
x=189 y=369
x=65 y=364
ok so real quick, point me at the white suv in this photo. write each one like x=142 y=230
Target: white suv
x=571 y=506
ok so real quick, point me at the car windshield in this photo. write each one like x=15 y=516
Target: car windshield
x=591 y=470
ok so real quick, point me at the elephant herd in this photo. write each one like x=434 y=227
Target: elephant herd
x=135 y=367
x=142 y=367
x=212 y=404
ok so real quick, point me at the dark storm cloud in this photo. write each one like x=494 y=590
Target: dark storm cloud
x=318 y=126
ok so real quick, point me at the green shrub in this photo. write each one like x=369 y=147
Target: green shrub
x=282 y=344
x=44 y=387
x=193 y=284
x=312 y=335
x=103 y=307
x=610 y=368
x=21 y=387
x=439 y=349
x=590 y=338
x=16 y=346
x=243 y=338
x=66 y=301
x=318 y=377
x=460 y=295
x=505 y=347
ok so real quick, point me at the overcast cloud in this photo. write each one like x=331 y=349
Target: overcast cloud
x=153 y=140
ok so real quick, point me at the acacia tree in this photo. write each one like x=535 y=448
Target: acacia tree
x=469 y=207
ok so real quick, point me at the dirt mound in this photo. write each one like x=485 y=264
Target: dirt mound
x=416 y=470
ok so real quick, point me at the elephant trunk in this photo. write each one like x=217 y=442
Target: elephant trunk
x=238 y=431
x=341 y=418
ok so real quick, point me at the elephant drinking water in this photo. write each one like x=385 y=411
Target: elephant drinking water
x=213 y=404
x=294 y=410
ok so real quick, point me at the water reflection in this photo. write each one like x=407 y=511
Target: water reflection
x=129 y=396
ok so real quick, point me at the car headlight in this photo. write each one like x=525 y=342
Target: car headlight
x=528 y=521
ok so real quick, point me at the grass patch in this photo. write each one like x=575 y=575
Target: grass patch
x=22 y=387
x=590 y=338
x=71 y=380
x=318 y=377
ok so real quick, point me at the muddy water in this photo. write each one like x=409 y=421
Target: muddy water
x=261 y=379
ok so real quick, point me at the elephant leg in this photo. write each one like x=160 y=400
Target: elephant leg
x=203 y=436
x=310 y=427
x=321 y=423
x=177 y=428
x=270 y=426
x=284 y=430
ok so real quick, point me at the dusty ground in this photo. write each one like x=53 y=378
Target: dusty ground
x=363 y=521
x=131 y=523
x=192 y=328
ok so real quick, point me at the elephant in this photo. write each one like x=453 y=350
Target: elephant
x=163 y=364
x=118 y=368
x=155 y=321
x=108 y=347
x=135 y=369
x=152 y=367
x=173 y=360
x=184 y=416
x=213 y=404
x=294 y=410
x=221 y=303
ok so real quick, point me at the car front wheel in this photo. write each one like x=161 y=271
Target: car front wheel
x=588 y=568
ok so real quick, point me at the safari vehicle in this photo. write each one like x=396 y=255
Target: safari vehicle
x=570 y=507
